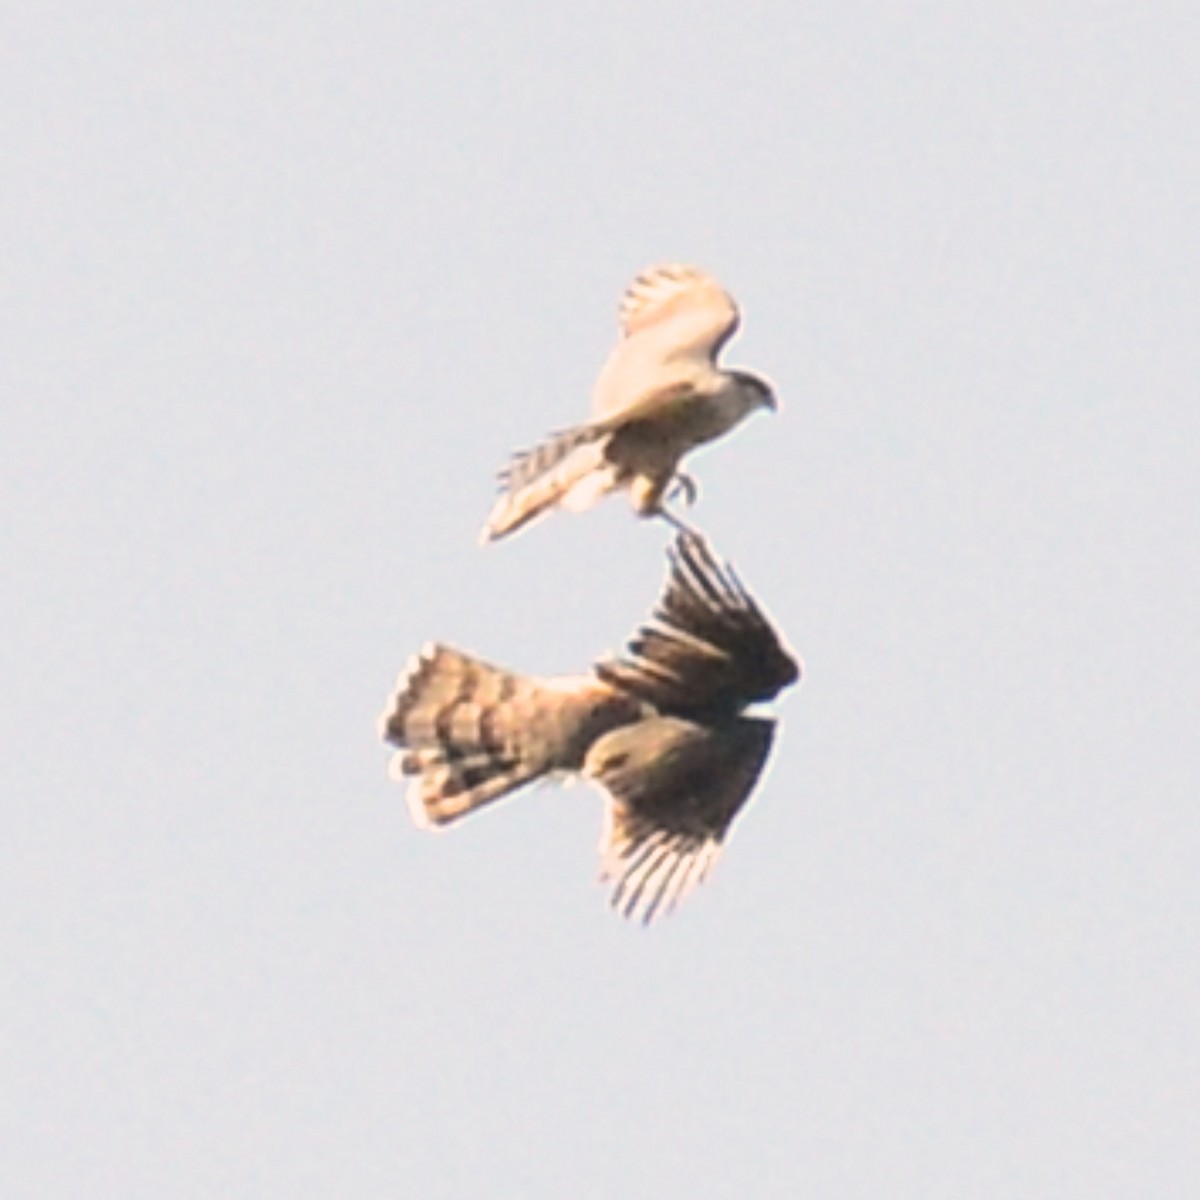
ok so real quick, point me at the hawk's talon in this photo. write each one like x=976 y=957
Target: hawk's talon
x=685 y=485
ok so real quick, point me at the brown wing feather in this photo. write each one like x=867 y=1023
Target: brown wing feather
x=708 y=648
x=675 y=787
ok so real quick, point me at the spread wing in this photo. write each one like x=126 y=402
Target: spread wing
x=681 y=308
x=674 y=788
x=674 y=320
x=707 y=649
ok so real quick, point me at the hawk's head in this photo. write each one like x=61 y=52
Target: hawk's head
x=755 y=391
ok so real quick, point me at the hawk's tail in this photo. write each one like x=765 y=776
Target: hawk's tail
x=568 y=470
x=469 y=733
x=456 y=722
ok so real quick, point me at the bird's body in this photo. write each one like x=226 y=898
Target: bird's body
x=660 y=395
x=662 y=730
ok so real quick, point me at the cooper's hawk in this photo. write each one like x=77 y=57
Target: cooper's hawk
x=659 y=395
x=662 y=730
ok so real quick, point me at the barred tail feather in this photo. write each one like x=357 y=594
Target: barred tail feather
x=568 y=470
x=455 y=721
x=446 y=787
x=469 y=733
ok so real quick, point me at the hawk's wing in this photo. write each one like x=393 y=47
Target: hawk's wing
x=674 y=788
x=707 y=649
x=674 y=319
x=684 y=309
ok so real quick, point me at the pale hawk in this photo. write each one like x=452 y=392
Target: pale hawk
x=660 y=394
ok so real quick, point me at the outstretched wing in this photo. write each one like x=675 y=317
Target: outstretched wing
x=674 y=788
x=674 y=320
x=685 y=309
x=707 y=650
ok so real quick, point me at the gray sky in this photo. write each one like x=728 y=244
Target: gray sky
x=283 y=285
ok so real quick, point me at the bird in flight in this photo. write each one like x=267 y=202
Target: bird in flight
x=660 y=395
x=663 y=730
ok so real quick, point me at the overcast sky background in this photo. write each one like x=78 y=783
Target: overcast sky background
x=281 y=287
